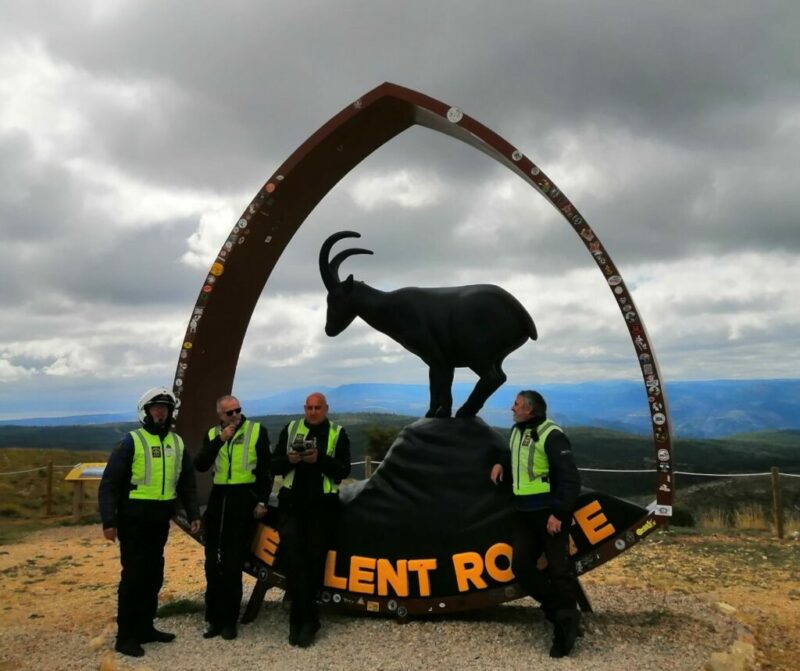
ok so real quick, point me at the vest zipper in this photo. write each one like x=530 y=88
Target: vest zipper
x=163 y=466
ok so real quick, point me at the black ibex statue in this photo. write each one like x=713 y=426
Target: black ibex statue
x=475 y=326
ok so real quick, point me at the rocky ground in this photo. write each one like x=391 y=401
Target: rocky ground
x=676 y=601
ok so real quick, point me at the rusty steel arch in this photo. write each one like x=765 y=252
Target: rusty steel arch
x=217 y=326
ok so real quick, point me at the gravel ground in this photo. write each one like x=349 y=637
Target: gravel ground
x=638 y=629
x=58 y=601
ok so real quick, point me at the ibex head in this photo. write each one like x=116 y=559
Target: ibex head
x=341 y=311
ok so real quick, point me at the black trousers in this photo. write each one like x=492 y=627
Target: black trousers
x=229 y=527
x=141 y=552
x=306 y=536
x=555 y=587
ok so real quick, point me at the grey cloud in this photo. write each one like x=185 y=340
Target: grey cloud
x=685 y=116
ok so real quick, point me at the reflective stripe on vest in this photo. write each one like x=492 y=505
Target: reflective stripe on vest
x=236 y=460
x=298 y=431
x=156 y=465
x=529 y=460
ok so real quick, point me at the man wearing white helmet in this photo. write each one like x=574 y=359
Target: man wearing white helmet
x=145 y=475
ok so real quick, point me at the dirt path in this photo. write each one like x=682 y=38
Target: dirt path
x=656 y=604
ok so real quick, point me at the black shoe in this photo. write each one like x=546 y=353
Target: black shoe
x=307 y=633
x=294 y=634
x=229 y=632
x=157 y=636
x=212 y=631
x=129 y=647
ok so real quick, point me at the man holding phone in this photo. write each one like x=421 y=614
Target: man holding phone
x=313 y=456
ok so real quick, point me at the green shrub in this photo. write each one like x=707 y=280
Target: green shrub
x=12 y=510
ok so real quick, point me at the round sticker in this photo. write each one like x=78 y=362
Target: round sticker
x=659 y=419
x=516 y=156
x=217 y=269
x=614 y=280
x=663 y=455
x=454 y=115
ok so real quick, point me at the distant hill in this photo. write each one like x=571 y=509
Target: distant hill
x=594 y=448
x=699 y=409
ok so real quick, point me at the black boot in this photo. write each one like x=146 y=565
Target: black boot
x=157 y=636
x=129 y=647
x=294 y=633
x=307 y=634
x=212 y=630
x=565 y=631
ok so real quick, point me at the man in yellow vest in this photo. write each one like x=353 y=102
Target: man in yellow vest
x=313 y=456
x=238 y=449
x=145 y=475
x=546 y=485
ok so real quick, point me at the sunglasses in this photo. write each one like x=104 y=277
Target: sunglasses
x=235 y=411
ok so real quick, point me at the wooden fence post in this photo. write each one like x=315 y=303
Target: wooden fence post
x=368 y=467
x=77 y=501
x=48 y=502
x=777 y=501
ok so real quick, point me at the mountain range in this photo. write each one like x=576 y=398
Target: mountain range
x=698 y=409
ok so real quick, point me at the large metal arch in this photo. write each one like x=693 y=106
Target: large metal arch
x=212 y=343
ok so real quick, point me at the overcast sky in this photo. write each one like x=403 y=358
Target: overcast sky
x=133 y=134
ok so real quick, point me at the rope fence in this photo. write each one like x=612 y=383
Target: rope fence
x=33 y=470
x=588 y=470
x=369 y=465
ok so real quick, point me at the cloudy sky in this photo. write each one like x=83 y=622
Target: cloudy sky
x=133 y=134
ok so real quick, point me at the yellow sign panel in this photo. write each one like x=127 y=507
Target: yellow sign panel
x=92 y=471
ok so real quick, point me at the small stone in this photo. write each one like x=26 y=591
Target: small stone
x=96 y=643
x=744 y=651
x=108 y=662
x=725 y=608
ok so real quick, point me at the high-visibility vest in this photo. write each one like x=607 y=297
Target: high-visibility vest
x=529 y=462
x=156 y=465
x=236 y=460
x=298 y=430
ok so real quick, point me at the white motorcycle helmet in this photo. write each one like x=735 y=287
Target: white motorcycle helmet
x=153 y=396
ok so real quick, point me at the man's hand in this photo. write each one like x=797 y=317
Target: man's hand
x=553 y=525
x=294 y=456
x=110 y=534
x=496 y=475
x=194 y=527
x=228 y=432
x=260 y=511
x=310 y=455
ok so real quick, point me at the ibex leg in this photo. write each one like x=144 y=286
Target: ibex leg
x=441 y=388
x=491 y=379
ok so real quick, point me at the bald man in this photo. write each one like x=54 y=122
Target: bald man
x=313 y=456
